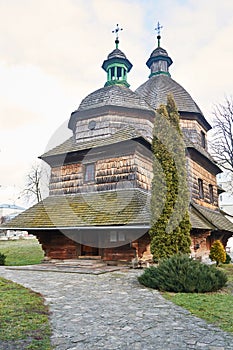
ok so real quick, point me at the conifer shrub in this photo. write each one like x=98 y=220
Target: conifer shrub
x=228 y=259
x=180 y=273
x=2 y=259
x=170 y=222
x=217 y=252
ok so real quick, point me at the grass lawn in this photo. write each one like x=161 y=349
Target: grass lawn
x=23 y=318
x=21 y=252
x=216 y=308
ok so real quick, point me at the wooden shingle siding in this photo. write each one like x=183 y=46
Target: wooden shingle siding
x=109 y=125
x=144 y=170
x=120 y=171
x=66 y=179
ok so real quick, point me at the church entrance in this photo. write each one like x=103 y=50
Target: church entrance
x=89 y=251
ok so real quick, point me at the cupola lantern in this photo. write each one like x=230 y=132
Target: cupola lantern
x=117 y=65
x=159 y=60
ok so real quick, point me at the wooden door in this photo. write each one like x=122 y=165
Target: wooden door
x=92 y=251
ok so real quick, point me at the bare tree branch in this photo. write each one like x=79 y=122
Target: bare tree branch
x=37 y=178
x=222 y=143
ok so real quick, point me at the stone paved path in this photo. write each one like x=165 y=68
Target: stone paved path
x=113 y=311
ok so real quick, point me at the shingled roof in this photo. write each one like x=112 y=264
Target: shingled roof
x=99 y=209
x=116 y=53
x=214 y=217
x=156 y=89
x=122 y=207
x=124 y=134
x=113 y=95
x=198 y=221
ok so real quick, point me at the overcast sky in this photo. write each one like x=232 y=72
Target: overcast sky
x=51 y=52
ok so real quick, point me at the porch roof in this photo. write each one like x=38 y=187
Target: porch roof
x=121 y=207
x=198 y=221
x=215 y=218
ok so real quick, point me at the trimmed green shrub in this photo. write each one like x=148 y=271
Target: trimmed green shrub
x=217 y=252
x=2 y=259
x=180 y=273
x=228 y=259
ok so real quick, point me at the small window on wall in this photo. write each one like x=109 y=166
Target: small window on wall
x=113 y=236
x=200 y=188
x=89 y=172
x=117 y=236
x=211 y=193
x=203 y=139
x=121 y=237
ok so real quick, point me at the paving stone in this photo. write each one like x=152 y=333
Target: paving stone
x=112 y=311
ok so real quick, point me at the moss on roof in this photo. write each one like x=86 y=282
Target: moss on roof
x=214 y=217
x=122 y=207
x=198 y=221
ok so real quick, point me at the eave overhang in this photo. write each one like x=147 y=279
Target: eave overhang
x=109 y=110
x=203 y=160
x=196 y=116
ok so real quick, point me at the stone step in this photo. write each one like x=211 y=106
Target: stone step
x=88 y=263
x=89 y=257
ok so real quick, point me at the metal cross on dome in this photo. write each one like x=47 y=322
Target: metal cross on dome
x=158 y=28
x=116 y=31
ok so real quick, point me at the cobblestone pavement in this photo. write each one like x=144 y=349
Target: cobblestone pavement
x=113 y=311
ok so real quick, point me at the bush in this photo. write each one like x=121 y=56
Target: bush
x=217 y=252
x=2 y=259
x=182 y=274
x=228 y=259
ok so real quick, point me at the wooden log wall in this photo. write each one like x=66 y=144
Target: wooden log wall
x=142 y=246
x=196 y=172
x=200 y=247
x=123 y=253
x=58 y=246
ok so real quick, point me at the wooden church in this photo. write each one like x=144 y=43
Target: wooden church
x=99 y=201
